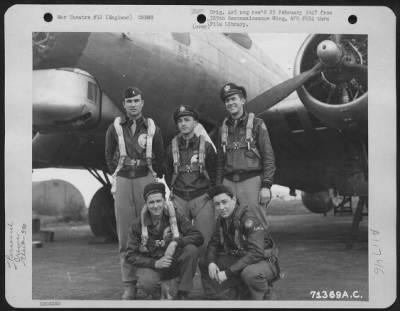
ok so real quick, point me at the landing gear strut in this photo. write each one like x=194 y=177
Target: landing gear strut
x=362 y=202
x=101 y=210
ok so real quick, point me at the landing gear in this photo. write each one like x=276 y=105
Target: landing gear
x=362 y=202
x=345 y=206
x=101 y=211
x=101 y=214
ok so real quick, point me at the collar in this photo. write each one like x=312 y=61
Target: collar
x=228 y=221
x=127 y=121
x=147 y=217
x=190 y=143
x=241 y=120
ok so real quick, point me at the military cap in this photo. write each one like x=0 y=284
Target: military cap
x=218 y=189
x=185 y=110
x=154 y=187
x=231 y=89
x=132 y=92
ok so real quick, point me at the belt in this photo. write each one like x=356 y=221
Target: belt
x=190 y=194
x=132 y=162
x=241 y=175
x=133 y=172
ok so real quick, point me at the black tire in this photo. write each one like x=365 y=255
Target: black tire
x=101 y=214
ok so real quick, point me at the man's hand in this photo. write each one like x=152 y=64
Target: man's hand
x=163 y=262
x=171 y=249
x=265 y=196
x=213 y=271
x=221 y=277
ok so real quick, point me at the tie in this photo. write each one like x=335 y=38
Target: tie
x=133 y=127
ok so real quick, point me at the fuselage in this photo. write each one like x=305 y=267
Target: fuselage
x=186 y=68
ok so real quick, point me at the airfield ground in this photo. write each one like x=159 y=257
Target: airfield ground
x=313 y=256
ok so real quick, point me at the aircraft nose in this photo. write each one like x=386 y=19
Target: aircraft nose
x=56 y=49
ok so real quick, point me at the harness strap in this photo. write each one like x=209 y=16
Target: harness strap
x=145 y=232
x=176 y=160
x=172 y=222
x=175 y=154
x=151 y=129
x=202 y=157
x=224 y=135
x=121 y=144
x=249 y=128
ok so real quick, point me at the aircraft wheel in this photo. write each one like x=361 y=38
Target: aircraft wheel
x=102 y=215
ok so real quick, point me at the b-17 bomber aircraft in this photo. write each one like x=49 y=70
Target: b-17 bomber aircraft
x=320 y=136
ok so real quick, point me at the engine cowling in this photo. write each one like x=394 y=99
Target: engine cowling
x=66 y=99
x=338 y=95
x=317 y=202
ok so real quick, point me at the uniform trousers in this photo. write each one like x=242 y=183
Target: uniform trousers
x=129 y=202
x=253 y=280
x=183 y=266
x=246 y=191
x=201 y=211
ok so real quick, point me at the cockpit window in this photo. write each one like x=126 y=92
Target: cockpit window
x=92 y=91
x=242 y=39
x=182 y=37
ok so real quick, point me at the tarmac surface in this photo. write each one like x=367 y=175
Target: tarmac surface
x=313 y=257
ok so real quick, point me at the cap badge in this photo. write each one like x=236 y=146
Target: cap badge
x=181 y=109
x=227 y=88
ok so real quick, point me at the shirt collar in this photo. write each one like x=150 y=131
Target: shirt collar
x=241 y=120
x=191 y=142
x=147 y=217
x=127 y=121
x=229 y=220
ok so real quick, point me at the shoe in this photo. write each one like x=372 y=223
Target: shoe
x=182 y=295
x=129 y=292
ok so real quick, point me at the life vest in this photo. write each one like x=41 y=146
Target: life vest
x=249 y=144
x=151 y=129
x=196 y=167
x=172 y=222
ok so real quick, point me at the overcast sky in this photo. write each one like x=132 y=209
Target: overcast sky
x=282 y=48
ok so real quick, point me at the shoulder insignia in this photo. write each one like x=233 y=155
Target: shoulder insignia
x=142 y=140
x=249 y=224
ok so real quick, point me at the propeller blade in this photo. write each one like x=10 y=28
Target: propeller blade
x=357 y=70
x=337 y=38
x=275 y=94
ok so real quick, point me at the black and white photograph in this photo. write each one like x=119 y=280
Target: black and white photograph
x=202 y=165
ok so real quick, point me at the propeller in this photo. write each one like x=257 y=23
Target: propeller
x=331 y=58
x=337 y=38
x=275 y=94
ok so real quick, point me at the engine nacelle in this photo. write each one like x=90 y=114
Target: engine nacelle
x=66 y=99
x=338 y=95
x=317 y=202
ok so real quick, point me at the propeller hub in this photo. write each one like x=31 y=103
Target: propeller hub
x=329 y=53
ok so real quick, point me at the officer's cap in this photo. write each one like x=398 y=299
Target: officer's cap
x=217 y=190
x=154 y=187
x=132 y=92
x=185 y=110
x=231 y=89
